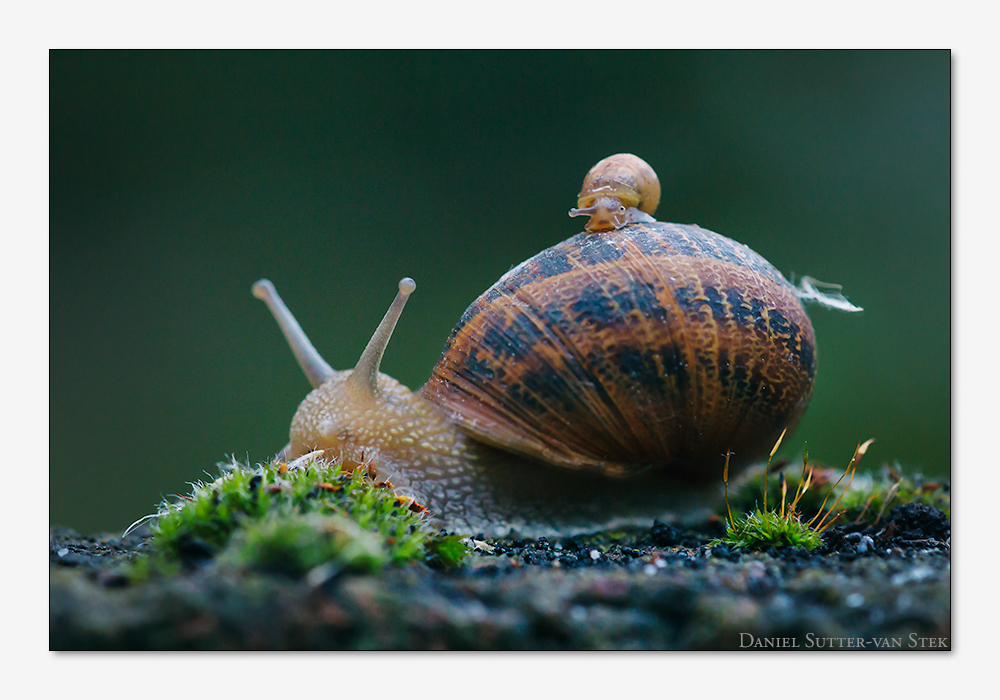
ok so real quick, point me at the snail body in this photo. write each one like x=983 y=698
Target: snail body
x=599 y=382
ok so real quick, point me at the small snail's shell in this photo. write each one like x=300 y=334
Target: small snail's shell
x=616 y=191
x=655 y=345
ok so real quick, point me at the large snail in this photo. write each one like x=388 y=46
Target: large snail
x=601 y=381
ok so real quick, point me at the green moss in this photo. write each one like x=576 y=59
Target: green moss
x=150 y=566
x=867 y=497
x=293 y=544
x=783 y=526
x=770 y=529
x=878 y=493
x=291 y=519
x=809 y=500
x=445 y=551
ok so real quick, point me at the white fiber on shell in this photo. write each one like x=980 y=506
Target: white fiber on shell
x=829 y=296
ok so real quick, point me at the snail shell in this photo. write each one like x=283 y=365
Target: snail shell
x=654 y=345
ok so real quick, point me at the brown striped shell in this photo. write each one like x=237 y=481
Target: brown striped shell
x=652 y=346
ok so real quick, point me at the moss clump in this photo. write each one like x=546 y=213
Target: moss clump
x=291 y=518
x=874 y=495
x=868 y=497
x=770 y=529
x=784 y=526
x=294 y=544
x=445 y=551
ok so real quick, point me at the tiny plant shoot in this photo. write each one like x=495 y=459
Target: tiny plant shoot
x=783 y=526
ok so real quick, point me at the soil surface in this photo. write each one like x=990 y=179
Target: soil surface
x=884 y=586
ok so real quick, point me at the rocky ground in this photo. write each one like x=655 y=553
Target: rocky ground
x=886 y=586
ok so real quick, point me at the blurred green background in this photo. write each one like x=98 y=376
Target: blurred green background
x=180 y=178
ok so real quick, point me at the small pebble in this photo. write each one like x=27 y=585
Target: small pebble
x=782 y=602
x=476 y=611
x=854 y=600
x=481 y=546
x=915 y=574
x=319 y=575
x=595 y=555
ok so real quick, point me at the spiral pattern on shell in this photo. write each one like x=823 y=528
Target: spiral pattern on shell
x=654 y=346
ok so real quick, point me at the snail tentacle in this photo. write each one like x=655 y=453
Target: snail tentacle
x=313 y=365
x=364 y=378
x=637 y=216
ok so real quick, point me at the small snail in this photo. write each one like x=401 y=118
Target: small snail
x=621 y=189
x=601 y=381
